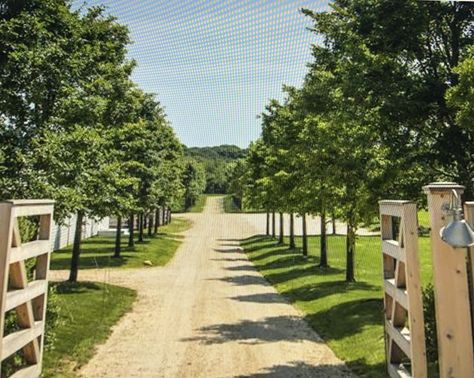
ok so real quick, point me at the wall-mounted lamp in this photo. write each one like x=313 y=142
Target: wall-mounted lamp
x=457 y=233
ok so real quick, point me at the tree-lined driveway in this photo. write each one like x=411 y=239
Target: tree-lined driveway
x=209 y=313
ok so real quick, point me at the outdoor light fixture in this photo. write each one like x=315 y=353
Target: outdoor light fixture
x=457 y=233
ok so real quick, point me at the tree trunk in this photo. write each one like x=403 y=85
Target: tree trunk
x=163 y=220
x=350 y=251
x=305 y=236
x=324 y=250
x=292 y=231
x=150 y=224
x=144 y=220
x=140 y=228
x=333 y=219
x=131 y=230
x=169 y=215
x=157 y=221
x=118 y=237
x=280 y=237
x=273 y=225
x=76 y=248
x=267 y=232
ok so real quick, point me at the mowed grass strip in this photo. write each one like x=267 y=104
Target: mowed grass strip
x=87 y=312
x=349 y=316
x=97 y=252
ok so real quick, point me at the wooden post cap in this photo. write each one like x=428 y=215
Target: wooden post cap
x=443 y=187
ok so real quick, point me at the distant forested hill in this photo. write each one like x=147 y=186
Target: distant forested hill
x=218 y=162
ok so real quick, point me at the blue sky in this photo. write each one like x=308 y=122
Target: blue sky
x=215 y=64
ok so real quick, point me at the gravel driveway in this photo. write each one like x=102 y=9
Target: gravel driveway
x=209 y=313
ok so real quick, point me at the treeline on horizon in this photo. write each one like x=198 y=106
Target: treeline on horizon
x=218 y=163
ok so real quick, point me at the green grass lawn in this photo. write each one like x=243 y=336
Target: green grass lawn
x=97 y=251
x=347 y=315
x=423 y=218
x=87 y=312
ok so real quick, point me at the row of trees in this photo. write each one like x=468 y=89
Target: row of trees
x=386 y=107
x=74 y=127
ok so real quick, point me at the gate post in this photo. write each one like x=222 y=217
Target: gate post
x=27 y=298
x=403 y=306
x=453 y=315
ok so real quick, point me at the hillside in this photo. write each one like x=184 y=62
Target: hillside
x=217 y=161
x=225 y=152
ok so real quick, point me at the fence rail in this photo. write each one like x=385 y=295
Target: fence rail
x=403 y=306
x=28 y=299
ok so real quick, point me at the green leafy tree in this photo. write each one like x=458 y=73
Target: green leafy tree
x=236 y=179
x=194 y=182
x=401 y=58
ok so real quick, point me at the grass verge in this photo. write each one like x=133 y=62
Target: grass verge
x=87 y=312
x=97 y=251
x=347 y=315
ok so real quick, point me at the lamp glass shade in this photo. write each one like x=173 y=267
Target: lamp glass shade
x=457 y=234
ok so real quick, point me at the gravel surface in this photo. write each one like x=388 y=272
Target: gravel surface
x=209 y=313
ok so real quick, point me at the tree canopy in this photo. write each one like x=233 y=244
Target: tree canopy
x=73 y=125
x=385 y=107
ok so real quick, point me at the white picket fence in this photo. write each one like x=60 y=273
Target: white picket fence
x=63 y=234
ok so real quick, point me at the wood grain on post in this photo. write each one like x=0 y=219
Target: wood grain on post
x=6 y=233
x=409 y=226
x=403 y=305
x=28 y=299
x=453 y=311
x=469 y=216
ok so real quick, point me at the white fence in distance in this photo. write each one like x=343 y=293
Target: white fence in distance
x=63 y=234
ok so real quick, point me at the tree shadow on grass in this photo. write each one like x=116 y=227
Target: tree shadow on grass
x=90 y=262
x=302 y=369
x=300 y=272
x=75 y=287
x=347 y=318
x=250 y=239
x=365 y=369
x=271 y=251
x=321 y=290
x=270 y=329
x=267 y=245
